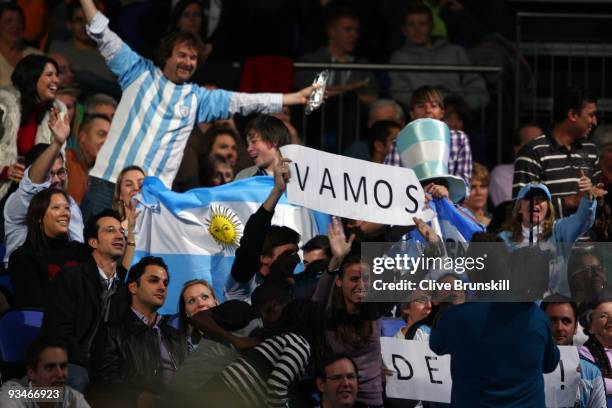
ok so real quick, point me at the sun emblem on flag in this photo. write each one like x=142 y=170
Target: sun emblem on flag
x=224 y=226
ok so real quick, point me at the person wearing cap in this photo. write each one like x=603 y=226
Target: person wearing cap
x=534 y=221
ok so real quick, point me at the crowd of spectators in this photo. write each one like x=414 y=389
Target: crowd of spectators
x=95 y=96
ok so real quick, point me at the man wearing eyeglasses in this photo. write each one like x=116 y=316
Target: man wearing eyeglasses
x=44 y=169
x=337 y=382
x=84 y=297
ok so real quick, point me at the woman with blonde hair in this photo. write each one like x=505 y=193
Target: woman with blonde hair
x=197 y=295
x=128 y=185
x=479 y=194
x=533 y=221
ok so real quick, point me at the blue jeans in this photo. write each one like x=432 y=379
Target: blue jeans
x=99 y=196
x=78 y=377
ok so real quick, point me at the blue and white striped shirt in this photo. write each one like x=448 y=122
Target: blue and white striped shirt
x=155 y=116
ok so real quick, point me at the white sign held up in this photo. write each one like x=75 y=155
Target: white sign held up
x=354 y=188
x=420 y=374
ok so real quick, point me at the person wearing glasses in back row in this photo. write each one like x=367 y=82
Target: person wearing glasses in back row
x=45 y=169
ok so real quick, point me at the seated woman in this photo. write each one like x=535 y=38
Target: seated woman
x=414 y=311
x=197 y=295
x=34 y=265
x=533 y=222
x=598 y=348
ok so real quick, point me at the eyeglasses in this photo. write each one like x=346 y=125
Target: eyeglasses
x=339 y=377
x=61 y=173
x=112 y=230
x=593 y=269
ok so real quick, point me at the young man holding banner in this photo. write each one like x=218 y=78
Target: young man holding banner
x=265 y=135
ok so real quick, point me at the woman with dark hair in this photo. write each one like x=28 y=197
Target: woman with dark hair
x=197 y=295
x=533 y=221
x=34 y=265
x=12 y=47
x=264 y=374
x=598 y=348
x=353 y=327
x=25 y=111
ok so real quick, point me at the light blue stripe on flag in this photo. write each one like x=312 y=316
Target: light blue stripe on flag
x=175 y=226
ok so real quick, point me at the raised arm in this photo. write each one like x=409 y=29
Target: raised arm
x=60 y=128
x=119 y=57
x=90 y=9
x=246 y=262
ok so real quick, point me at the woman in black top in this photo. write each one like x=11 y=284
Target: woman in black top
x=34 y=265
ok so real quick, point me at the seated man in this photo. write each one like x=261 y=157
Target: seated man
x=90 y=139
x=265 y=136
x=84 y=297
x=381 y=136
x=46 y=367
x=342 y=31
x=262 y=245
x=316 y=254
x=381 y=110
x=134 y=358
x=420 y=48
x=337 y=381
x=563 y=323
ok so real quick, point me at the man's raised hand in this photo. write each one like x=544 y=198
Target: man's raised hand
x=281 y=175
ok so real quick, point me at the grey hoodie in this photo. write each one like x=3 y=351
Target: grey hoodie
x=470 y=86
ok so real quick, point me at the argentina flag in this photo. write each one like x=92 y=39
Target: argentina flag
x=197 y=232
x=452 y=224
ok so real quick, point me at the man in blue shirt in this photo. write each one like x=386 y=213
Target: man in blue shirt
x=499 y=352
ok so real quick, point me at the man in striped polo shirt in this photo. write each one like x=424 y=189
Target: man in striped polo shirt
x=159 y=108
x=563 y=159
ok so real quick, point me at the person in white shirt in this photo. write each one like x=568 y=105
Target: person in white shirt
x=46 y=375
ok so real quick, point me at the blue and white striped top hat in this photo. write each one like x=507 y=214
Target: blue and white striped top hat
x=424 y=146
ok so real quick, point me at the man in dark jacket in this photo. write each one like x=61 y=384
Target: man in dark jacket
x=84 y=297
x=136 y=357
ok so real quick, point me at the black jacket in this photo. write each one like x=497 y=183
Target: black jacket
x=32 y=272
x=247 y=260
x=126 y=358
x=73 y=310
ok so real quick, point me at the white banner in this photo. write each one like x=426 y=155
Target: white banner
x=420 y=374
x=353 y=188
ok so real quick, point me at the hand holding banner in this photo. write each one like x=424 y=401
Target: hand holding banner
x=420 y=374
x=353 y=188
